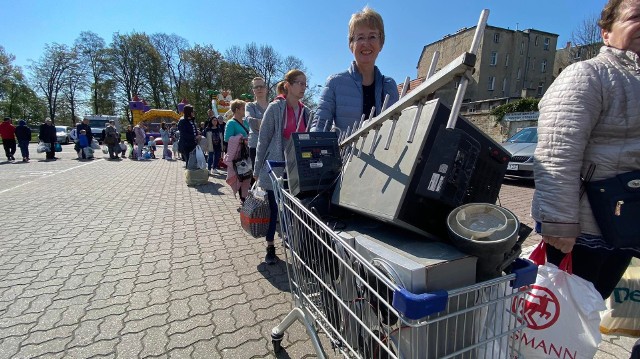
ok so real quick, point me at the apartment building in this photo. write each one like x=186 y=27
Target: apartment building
x=510 y=64
x=571 y=54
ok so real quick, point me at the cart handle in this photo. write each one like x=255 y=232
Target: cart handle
x=416 y=306
x=526 y=272
x=274 y=164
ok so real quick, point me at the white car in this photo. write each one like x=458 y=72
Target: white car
x=62 y=134
x=521 y=146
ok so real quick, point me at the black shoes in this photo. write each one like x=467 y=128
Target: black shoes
x=271 y=257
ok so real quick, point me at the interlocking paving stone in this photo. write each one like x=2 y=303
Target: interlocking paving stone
x=123 y=260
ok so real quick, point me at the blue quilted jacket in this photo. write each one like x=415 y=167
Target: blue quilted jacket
x=341 y=99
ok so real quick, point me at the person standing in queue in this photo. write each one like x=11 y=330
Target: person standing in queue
x=589 y=117
x=23 y=135
x=284 y=116
x=48 y=135
x=349 y=94
x=7 y=133
x=189 y=135
x=130 y=136
x=254 y=113
x=84 y=126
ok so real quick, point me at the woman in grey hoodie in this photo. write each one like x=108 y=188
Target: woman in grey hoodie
x=284 y=116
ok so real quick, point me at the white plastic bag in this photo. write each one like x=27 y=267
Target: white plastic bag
x=94 y=144
x=562 y=312
x=105 y=149
x=201 y=160
x=43 y=147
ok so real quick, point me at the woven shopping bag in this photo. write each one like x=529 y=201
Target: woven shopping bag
x=254 y=214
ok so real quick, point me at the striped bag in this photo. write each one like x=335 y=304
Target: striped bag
x=254 y=214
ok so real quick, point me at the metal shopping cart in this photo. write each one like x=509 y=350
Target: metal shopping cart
x=365 y=312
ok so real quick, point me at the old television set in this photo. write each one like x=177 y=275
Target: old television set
x=397 y=185
x=312 y=161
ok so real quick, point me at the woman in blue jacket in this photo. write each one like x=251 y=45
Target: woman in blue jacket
x=349 y=94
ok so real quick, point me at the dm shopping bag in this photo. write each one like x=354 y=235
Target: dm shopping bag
x=254 y=214
x=622 y=316
x=562 y=312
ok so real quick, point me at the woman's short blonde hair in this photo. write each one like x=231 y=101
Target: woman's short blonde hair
x=368 y=17
x=236 y=104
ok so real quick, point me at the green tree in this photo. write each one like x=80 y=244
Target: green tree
x=127 y=58
x=171 y=49
x=527 y=104
x=204 y=69
x=93 y=54
x=265 y=62
x=49 y=74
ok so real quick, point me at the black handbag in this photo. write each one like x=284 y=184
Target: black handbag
x=615 y=203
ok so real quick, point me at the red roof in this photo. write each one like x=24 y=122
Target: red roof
x=412 y=84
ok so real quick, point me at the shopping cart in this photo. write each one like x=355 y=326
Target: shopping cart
x=364 y=310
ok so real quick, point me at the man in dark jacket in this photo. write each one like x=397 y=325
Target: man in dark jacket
x=111 y=138
x=48 y=135
x=7 y=133
x=23 y=134
x=85 y=126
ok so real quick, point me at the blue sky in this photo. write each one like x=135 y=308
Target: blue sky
x=315 y=31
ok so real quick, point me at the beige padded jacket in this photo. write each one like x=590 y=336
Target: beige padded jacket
x=589 y=115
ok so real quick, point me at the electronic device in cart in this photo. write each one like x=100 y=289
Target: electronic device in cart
x=364 y=309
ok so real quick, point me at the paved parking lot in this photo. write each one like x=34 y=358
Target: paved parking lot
x=121 y=259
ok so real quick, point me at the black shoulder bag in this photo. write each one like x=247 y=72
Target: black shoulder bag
x=615 y=203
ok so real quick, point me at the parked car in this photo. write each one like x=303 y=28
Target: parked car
x=521 y=146
x=62 y=134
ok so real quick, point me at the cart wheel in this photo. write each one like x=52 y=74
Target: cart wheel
x=277 y=345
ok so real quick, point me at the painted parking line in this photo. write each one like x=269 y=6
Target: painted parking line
x=49 y=175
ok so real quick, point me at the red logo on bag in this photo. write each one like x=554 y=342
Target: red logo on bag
x=539 y=307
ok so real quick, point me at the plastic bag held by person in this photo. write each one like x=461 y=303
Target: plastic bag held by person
x=201 y=161
x=562 y=312
x=192 y=164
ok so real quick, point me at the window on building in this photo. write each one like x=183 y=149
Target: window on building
x=522 y=48
x=543 y=66
x=518 y=75
x=506 y=60
x=546 y=43
x=496 y=37
x=504 y=85
x=540 y=88
x=492 y=83
x=494 y=58
x=536 y=41
x=577 y=53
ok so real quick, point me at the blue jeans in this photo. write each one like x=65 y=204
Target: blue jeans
x=273 y=216
x=214 y=158
x=24 y=148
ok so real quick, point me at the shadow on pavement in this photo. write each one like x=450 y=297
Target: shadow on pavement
x=276 y=274
x=210 y=188
x=282 y=354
